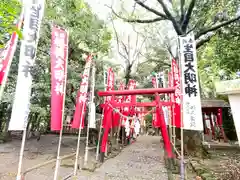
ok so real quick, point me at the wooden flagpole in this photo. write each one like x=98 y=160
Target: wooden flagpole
x=79 y=138
x=4 y=82
x=19 y=172
x=182 y=172
x=100 y=126
x=63 y=110
x=90 y=113
x=78 y=146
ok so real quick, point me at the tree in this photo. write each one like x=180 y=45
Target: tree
x=202 y=18
x=86 y=32
x=130 y=47
x=189 y=16
x=9 y=12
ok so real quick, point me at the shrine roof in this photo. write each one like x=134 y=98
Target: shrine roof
x=214 y=103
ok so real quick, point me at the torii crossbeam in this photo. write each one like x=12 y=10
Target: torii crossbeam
x=136 y=92
x=148 y=91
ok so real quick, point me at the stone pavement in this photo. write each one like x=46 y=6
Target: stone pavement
x=143 y=160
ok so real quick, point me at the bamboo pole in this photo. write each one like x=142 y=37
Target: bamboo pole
x=47 y=162
x=63 y=110
x=90 y=114
x=79 y=137
x=4 y=82
x=100 y=126
x=78 y=146
x=99 y=136
x=19 y=172
x=181 y=129
x=174 y=126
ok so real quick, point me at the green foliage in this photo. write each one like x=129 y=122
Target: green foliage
x=9 y=12
x=228 y=124
x=219 y=59
x=227 y=48
x=84 y=28
x=148 y=120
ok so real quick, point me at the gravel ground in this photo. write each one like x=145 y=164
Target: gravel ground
x=143 y=160
x=37 y=152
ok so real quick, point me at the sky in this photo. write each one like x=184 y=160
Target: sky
x=103 y=12
x=99 y=8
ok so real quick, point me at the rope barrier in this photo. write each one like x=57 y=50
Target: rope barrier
x=122 y=115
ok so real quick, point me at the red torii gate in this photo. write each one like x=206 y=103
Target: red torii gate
x=156 y=104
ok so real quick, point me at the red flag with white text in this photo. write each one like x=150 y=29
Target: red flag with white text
x=81 y=100
x=121 y=100
x=6 y=54
x=177 y=95
x=132 y=85
x=154 y=82
x=108 y=99
x=154 y=118
x=59 y=53
x=128 y=99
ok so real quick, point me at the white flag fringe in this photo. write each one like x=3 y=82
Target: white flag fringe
x=33 y=14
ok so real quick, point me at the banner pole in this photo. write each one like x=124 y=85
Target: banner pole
x=90 y=114
x=99 y=136
x=63 y=110
x=79 y=135
x=4 y=82
x=174 y=126
x=181 y=128
x=100 y=126
x=78 y=146
x=19 y=172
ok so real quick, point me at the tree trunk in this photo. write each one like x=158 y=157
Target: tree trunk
x=192 y=143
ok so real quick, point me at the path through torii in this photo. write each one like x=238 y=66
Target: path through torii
x=161 y=123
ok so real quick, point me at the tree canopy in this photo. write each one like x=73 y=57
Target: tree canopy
x=86 y=34
x=9 y=12
x=203 y=18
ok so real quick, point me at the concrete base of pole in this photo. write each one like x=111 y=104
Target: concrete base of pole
x=101 y=157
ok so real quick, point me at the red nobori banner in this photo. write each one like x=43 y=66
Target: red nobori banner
x=59 y=53
x=154 y=82
x=175 y=81
x=132 y=85
x=110 y=83
x=121 y=100
x=78 y=119
x=108 y=99
x=128 y=99
x=7 y=53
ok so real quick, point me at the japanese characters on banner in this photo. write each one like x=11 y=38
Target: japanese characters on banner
x=175 y=80
x=110 y=83
x=6 y=55
x=121 y=100
x=132 y=85
x=154 y=82
x=192 y=115
x=110 y=87
x=128 y=99
x=79 y=114
x=33 y=14
x=59 y=49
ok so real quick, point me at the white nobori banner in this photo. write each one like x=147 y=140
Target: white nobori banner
x=33 y=14
x=192 y=113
